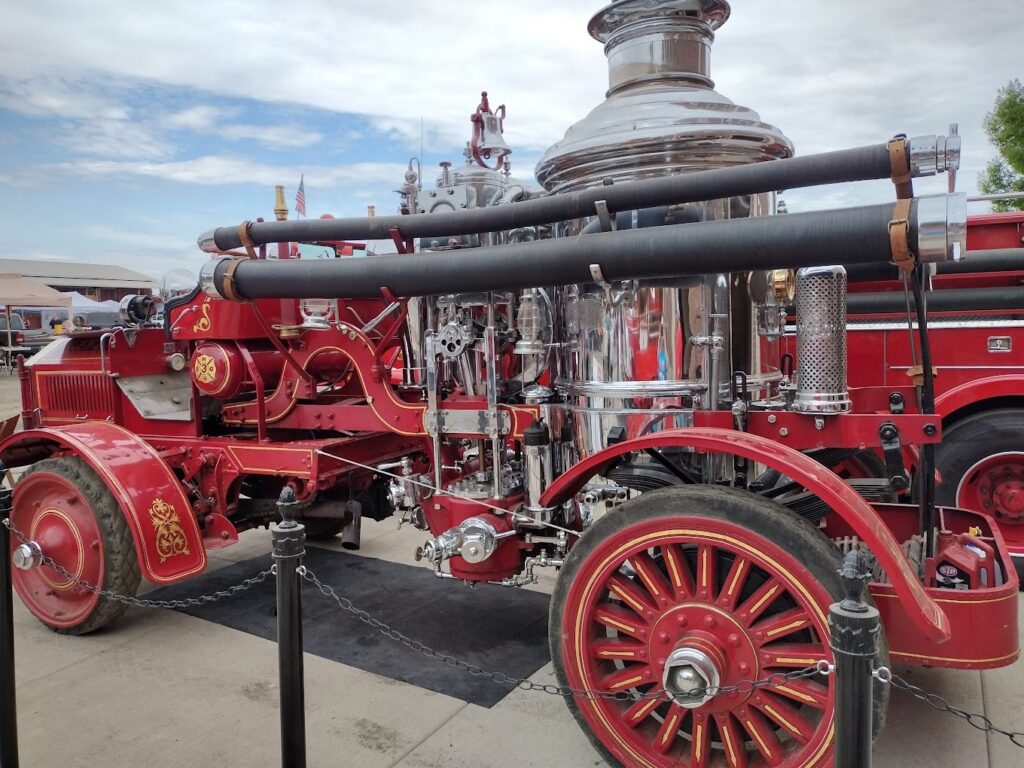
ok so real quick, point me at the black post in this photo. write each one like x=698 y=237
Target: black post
x=8 y=700
x=854 y=627
x=289 y=547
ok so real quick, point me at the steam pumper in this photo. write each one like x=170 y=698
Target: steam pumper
x=587 y=377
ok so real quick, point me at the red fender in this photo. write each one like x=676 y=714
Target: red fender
x=970 y=392
x=167 y=537
x=925 y=613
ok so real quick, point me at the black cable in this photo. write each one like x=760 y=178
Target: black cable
x=926 y=474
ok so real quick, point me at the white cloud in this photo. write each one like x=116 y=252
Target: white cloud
x=286 y=136
x=214 y=170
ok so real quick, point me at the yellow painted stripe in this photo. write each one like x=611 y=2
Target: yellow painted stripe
x=788 y=628
x=617 y=654
x=630 y=681
x=698 y=734
x=674 y=570
x=728 y=743
x=670 y=730
x=782 y=720
x=788 y=660
x=651 y=583
x=619 y=624
x=757 y=737
x=645 y=710
x=628 y=598
x=734 y=582
x=764 y=598
x=798 y=694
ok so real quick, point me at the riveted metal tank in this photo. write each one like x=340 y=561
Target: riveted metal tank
x=632 y=352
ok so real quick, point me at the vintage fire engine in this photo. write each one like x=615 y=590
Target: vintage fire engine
x=589 y=378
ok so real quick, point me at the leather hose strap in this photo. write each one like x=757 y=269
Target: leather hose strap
x=899 y=236
x=246 y=239
x=899 y=162
x=227 y=287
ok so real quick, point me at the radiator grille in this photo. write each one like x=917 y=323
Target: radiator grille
x=71 y=395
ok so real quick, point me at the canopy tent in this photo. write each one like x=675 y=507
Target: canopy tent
x=19 y=291
x=83 y=304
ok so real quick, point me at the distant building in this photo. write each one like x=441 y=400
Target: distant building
x=99 y=282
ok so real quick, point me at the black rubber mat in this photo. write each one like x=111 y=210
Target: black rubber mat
x=496 y=628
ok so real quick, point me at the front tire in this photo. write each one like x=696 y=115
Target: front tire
x=733 y=575
x=64 y=506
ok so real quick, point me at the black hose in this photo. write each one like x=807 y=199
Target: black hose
x=999 y=260
x=944 y=300
x=736 y=245
x=861 y=163
x=926 y=473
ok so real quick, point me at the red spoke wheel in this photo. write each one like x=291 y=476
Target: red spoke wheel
x=63 y=505
x=981 y=465
x=696 y=586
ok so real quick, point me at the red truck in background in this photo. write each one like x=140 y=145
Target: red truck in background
x=976 y=329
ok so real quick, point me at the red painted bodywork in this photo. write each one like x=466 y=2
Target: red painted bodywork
x=140 y=480
x=847 y=504
x=991 y=609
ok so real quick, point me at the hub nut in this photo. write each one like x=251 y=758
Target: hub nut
x=689 y=676
x=27 y=556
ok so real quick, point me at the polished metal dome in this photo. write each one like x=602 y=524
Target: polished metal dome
x=662 y=114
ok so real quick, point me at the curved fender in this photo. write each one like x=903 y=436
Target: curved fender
x=975 y=391
x=167 y=539
x=926 y=614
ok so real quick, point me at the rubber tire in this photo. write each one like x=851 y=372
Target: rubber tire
x=762 y=516
x=968 y=441
x=121 y=573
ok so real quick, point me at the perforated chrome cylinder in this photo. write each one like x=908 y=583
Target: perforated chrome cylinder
x=821 y=340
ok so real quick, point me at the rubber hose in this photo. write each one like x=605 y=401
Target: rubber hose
x=861 y=163
x=736 y=245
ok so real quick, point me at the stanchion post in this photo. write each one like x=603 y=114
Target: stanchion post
x=289 y=546
x=8 y=700
x=854 y=628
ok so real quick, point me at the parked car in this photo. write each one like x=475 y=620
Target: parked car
x=33 y=338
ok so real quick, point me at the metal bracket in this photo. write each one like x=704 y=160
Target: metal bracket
x=895 y=468
x=604 y=216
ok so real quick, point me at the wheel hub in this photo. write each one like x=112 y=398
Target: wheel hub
x=691 y=676
x=995 y=485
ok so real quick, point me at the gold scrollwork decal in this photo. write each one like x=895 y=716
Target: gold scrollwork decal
x=170 y=536
x=203 y=324
x=205 y=369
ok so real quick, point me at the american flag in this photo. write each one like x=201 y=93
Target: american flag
x=300 y=197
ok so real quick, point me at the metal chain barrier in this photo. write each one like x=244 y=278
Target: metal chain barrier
x=140 y=602
x=933 y=700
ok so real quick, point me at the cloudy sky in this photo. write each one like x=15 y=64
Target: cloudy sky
x=127 y=128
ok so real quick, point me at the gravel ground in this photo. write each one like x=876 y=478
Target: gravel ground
x=10 y=395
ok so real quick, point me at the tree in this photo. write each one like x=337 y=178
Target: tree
x=1004 y=126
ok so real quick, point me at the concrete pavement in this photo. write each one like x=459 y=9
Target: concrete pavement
x=162 y=690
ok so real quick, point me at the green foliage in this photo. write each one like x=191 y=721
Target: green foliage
x=1004 y=126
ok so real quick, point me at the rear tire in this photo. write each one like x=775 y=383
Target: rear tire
x=63 y=505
